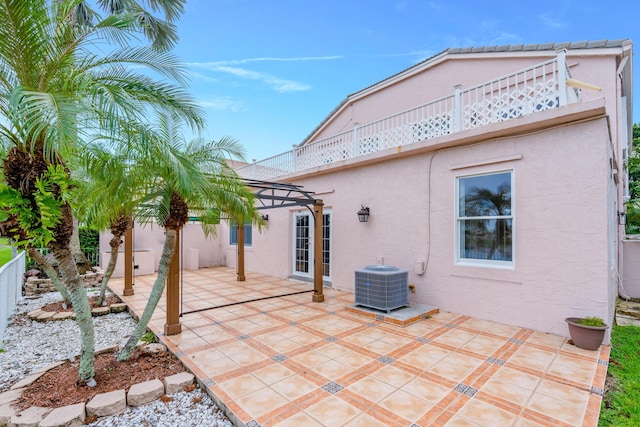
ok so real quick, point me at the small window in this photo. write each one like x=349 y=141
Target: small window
x=233 y=237
x=484 y=219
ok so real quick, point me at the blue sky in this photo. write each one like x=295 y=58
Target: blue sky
x=267 y=72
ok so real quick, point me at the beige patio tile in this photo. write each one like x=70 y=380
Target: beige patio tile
x=456 y=366
x=563 y=392
x=484 y=345
x=380 y=347
x=332 y=411
x=298 y=420
x=478 y=324
x=259 y=402
x=206 y=356
x=293 y=387
x=364 y=420
x=393 y=376
x=460 y=421
x=372 y=389
x=507 y=391
x=425 y=389
x=591 y=354
x=353 y=359
x=445 y=316
x=486 y=414
x=502 y=330
x=217 y=367
x=517 y=378
x=547 y=340
x=361 y=339
x=273 y=373
x=406 y=405
x=395 y=340
x=332 y=350
x=455 y=337
x=533 y=358
x=239 y=386
x=311 y=359
x=425 y=356
x=284 y=346
x=568 y=412
x=573 y=369
x=332 y=369
x=248 y=357
x=233 y=348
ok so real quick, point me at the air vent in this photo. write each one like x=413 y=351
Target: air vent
x=383 y=287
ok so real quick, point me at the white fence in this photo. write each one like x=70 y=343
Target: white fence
x=10 y=287
x=530 y=90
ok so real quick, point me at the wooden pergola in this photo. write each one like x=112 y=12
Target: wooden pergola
x=270 y=195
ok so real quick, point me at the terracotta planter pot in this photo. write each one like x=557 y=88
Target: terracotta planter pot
x=584 y=336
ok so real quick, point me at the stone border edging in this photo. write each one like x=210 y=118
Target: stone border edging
x=102 y=405
x=43 y=316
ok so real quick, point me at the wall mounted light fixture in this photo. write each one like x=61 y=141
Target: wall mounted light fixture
x=363 y=214
x=622 y=218
x=265 y=217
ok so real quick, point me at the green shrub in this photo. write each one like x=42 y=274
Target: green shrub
x=591 y=321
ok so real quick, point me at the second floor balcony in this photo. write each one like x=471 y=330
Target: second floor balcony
x=541 y=87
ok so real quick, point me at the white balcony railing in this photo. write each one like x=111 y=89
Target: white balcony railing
x=537 y=88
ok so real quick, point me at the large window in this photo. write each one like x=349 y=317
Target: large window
x=484 y=219
x=233 y=238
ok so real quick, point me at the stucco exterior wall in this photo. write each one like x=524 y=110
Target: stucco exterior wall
x=561 y=177
x=150 y=238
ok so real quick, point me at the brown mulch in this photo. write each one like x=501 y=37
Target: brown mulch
x=57 y=306
x=59 y=386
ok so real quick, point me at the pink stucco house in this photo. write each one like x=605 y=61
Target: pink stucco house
x=494 y=175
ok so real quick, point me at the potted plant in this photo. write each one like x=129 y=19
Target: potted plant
x=586 y=332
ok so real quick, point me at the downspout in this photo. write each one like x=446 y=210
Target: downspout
x=622 y=293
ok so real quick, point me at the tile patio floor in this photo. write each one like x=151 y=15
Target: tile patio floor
x=290 y=362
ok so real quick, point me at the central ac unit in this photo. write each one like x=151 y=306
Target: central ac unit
x=382 y=287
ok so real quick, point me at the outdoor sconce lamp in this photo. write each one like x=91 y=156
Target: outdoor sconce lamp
x=265 y=217
x=363 y=214
x=622 y=218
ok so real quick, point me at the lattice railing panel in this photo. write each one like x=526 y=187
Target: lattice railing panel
x=525 y=92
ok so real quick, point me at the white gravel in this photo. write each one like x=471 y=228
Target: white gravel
x=29 y=345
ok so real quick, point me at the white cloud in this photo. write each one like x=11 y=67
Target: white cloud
x=552 y=22
x=222 y=104
x=277 y=83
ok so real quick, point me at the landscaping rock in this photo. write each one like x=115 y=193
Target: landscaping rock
x=106 y=404
x=45 y=315
x=154 y=348
x=100 y=311
x=30 y=417
x=6 y=412
x=146 y=392
x=64 y=315
x=176 y=383
x=26 y=381
x=67 y=416
x=34 y=314
x=10 y=396
x=118 y=307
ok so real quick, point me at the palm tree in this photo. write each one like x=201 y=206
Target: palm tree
x=53 y=91
x=485 y=202
x=187 y=178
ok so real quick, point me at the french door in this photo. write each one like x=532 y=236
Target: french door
x=303 y=244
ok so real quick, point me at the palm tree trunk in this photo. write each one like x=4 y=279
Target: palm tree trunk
x=51 y=272
x=80 y=302
x=113 y=259
x=74 y=245
x=156 y=292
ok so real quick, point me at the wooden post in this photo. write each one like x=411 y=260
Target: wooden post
x=128 y=262
x=318 y=295
x=240 y=245
x=172 y=325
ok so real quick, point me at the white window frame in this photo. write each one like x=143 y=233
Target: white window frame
x=458 y=221
x=248 y=229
